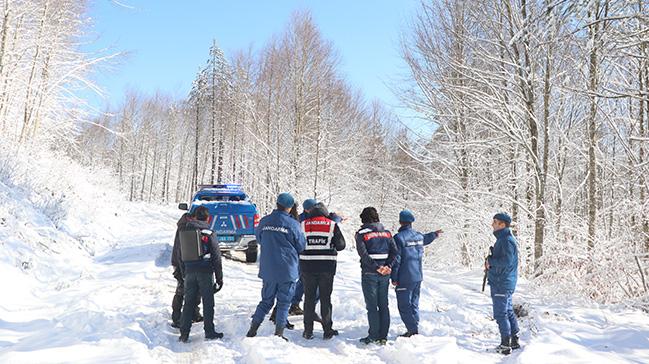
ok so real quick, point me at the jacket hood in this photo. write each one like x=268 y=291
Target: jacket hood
x=184 y=219
x=197 y=224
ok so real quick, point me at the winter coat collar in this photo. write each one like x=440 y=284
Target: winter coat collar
x=405 y=227
x=376 y=226
x=198 y=224
x=502 y=233
x=281 y=212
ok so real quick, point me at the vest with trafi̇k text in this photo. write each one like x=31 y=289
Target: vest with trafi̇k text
x=320 y=254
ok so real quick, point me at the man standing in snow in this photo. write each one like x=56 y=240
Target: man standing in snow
x=318 y=267
x=502 y=268
x=281 y=240
x=201 y=270
x=177 y=264
x=295 y=309
x=407 y=270
x=378 y=253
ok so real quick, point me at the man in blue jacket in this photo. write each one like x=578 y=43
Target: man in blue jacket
x=407 y=270
x=281 y=240
x=502 y=267
x=378 y=253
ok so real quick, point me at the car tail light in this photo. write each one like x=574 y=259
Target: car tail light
x=256 y=220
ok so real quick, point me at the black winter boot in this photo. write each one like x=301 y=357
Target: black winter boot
x=308 y=331
x=505 y=346
x=279 y=331
x=328 y=334
x=252 y=332
x=295 y=310
x=273 y=315
x=214 y=335
x=514 y=342
x=184 y=337
x=289 y=325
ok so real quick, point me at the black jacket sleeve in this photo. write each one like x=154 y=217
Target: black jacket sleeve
x=338 y=239
x=176 y=260
x=215 y=258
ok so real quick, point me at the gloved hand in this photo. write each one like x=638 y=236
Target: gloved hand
x=217 y=286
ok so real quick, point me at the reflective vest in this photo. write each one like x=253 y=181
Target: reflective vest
x=319 y=232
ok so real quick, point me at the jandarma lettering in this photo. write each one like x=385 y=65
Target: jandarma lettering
x=316 y=222
x=275 y=228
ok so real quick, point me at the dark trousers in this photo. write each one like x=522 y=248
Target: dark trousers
x=284 y=292
x=375 y=292
x=504 y=312
x=408 y=303
x=299 y=292
x=179 y=296
x=314 y=283
x=198 y=283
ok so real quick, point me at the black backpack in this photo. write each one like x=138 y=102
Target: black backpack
x=194 y=244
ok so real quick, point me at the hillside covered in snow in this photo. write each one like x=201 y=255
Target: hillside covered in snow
x=93 y=284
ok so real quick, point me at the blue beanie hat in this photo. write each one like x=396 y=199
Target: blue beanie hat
x=406 y=216
x=285 y=200
x=309 y=203
x=504 y=217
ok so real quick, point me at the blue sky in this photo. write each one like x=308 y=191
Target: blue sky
x=168 y=40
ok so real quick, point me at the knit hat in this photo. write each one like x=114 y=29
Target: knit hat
x=309 y=203
x=406 y=216
x=285 y=200
x=504 y=217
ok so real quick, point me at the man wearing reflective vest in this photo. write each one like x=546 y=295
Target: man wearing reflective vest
x=378 y=253
x=318 y=267
x=407 y=271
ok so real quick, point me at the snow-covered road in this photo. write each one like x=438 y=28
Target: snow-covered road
x=118 y=310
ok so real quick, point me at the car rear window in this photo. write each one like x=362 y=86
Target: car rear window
x=220 y=198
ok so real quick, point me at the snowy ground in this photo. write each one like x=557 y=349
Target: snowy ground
x=97 y=287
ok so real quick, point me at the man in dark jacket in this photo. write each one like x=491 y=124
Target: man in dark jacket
x=318 y=267
x=378 y=252
x=407 y=271
x=200 y=274
x=502 y=266
x=281 y=241
x=177 y=264
x=295 y=309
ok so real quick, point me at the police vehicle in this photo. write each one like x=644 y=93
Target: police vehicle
x=233 y=217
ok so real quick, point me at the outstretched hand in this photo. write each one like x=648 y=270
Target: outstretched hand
x=439 y=232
